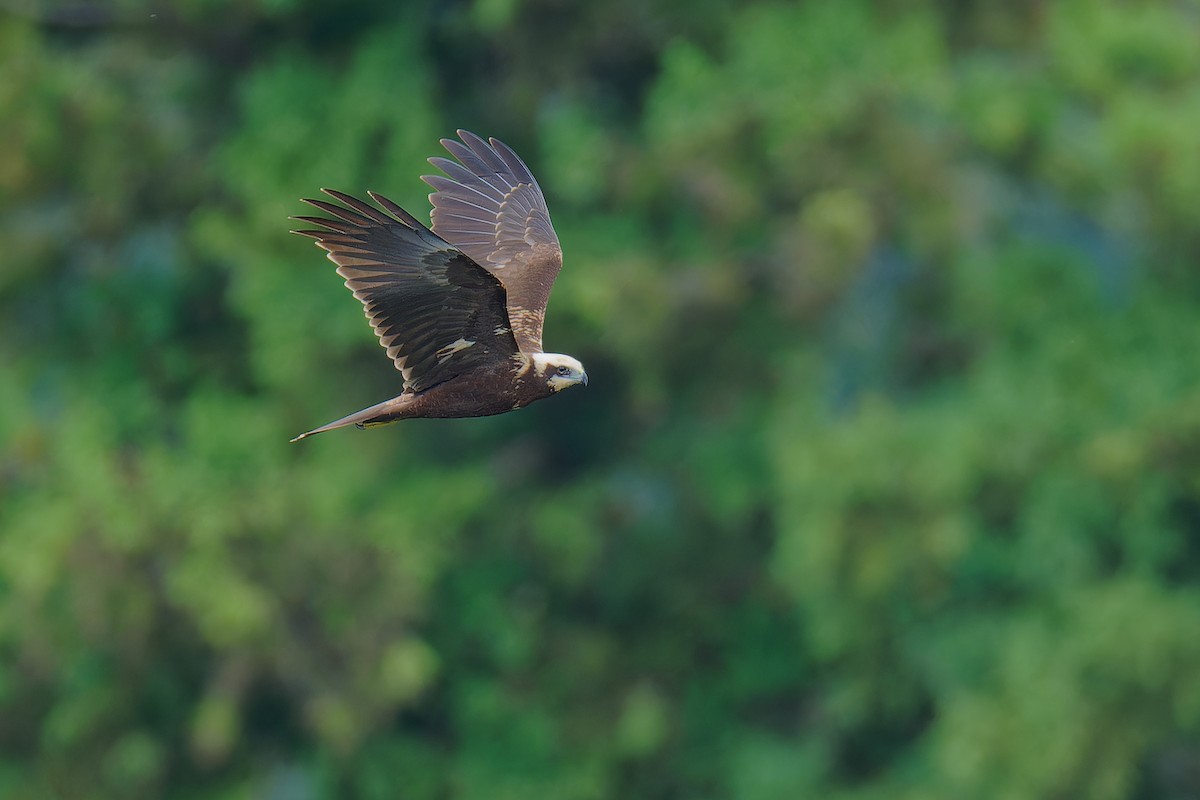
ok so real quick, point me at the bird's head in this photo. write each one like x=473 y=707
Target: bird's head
x=559 y=371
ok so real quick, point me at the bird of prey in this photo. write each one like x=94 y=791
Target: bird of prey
x=458 y=308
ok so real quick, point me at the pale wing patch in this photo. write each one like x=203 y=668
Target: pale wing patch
x=452 y=348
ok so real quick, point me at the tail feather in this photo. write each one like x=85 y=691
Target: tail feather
x=363 y=418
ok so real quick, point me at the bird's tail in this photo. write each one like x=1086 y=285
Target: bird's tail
x=378 y=414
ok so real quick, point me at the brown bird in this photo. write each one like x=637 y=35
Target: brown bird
x=458 y=308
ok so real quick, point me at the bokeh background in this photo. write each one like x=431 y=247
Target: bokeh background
x=886 y=485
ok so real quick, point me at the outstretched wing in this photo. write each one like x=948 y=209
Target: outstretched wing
x=492 y=209
x=435 y=310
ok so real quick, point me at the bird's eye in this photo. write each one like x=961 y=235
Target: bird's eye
x=564 y=370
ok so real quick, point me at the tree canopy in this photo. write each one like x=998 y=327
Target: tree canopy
x=886 y=483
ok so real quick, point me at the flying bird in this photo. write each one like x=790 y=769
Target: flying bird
x=459 y=307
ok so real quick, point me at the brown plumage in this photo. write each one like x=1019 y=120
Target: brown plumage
x=458 y=308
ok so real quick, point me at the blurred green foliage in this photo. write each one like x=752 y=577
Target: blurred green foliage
x=887 y=484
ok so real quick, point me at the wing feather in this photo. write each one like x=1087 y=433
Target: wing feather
x=423 y=296
x=489 y=205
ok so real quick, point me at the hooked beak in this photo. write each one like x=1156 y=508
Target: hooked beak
x=583 y=379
